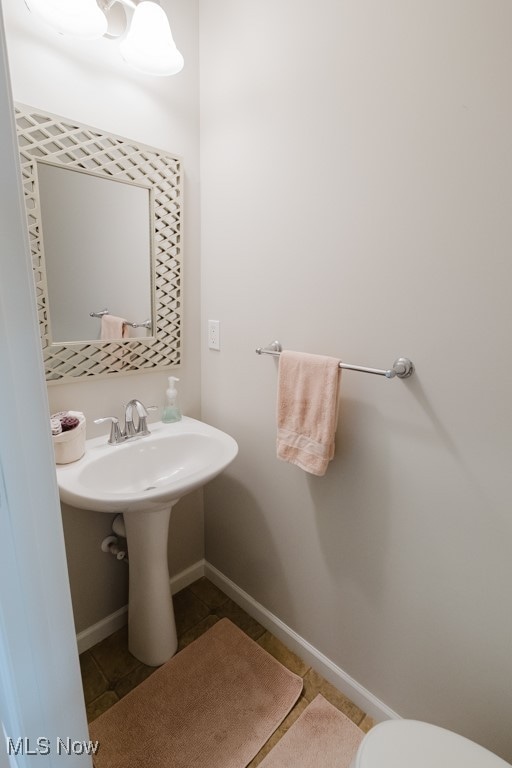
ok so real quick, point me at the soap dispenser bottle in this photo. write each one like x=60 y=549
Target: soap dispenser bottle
x=172 y=410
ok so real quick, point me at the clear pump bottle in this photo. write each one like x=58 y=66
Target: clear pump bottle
x=172 y=411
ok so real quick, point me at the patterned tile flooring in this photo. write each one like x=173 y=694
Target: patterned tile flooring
x=109 y=670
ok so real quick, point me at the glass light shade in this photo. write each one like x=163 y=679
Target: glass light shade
x=148 y=45
x=79 y=18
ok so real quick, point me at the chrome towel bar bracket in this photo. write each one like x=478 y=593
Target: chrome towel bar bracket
x=402 y=367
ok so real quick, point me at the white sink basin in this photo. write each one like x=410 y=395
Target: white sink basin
x=143 y=479
x=148 y=473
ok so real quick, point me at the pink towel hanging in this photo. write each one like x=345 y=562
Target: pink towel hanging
x=307 y=410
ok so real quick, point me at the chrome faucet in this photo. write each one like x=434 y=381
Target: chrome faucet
x=142 y=427
x=118 y=435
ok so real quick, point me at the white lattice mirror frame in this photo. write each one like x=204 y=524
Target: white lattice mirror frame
x=58 y=140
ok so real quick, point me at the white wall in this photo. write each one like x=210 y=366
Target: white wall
x=87 y=81
x=356 y=201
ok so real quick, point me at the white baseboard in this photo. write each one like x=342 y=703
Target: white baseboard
x=188 y=576
x=324 y=666
x=102 y=629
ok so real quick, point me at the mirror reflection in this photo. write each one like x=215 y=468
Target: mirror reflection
x=97 y=253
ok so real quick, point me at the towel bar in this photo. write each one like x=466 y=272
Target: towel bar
x=146 y=324
x=402 y=367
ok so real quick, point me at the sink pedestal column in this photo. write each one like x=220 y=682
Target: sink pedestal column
x=151 y=627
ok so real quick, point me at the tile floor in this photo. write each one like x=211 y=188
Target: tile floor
x=109 y=670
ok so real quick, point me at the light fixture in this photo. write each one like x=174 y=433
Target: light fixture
x=148 y=45
x=79 y=18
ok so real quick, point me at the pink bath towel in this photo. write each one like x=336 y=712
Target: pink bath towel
x=307 y=410
x=113 y=327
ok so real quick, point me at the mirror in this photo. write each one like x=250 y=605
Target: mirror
x=97 y=246
x=104 y=219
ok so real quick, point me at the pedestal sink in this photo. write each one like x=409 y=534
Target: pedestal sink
x=143 y=479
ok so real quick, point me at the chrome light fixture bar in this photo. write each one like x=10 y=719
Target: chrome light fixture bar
x=147 y=43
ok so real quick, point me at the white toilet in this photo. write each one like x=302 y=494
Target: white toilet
x=413 y=744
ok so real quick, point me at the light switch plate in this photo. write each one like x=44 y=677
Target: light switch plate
x=214 y=334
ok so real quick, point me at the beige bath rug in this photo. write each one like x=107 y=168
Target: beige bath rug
x=213 y=705
x=322 y=737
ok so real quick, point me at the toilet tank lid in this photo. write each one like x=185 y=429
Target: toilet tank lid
x=414 y=744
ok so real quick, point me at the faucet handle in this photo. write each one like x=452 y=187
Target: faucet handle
x=142 y=428
x=115 y=431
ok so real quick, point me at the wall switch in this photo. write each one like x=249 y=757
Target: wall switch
x=213 y=334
